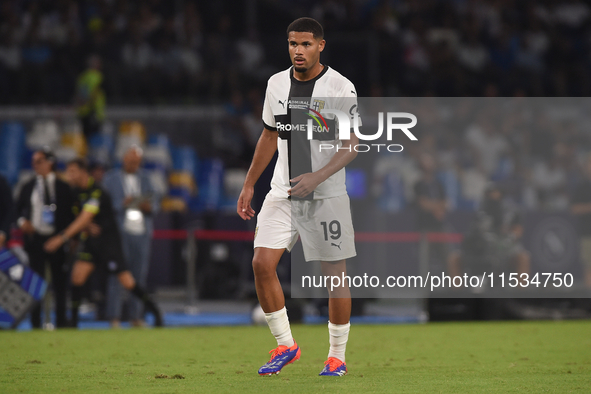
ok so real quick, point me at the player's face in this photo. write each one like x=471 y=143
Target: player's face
x=74 y=175
x=304 y=50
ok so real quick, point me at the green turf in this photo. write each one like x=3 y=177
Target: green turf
x=531 y=357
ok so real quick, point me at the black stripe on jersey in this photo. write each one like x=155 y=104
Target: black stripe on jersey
x=269 y=127
x=311 y=81
x=298 y=146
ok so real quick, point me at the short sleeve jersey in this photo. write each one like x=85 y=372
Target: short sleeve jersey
x=95 y=200
x=296 y=153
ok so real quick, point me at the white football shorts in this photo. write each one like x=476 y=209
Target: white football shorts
x=324 y=225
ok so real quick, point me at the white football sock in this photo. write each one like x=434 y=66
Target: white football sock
x=279 y=325
x=339 y=334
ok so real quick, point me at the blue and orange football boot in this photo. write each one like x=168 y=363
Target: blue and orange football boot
x=334 y=367
x=280 y=357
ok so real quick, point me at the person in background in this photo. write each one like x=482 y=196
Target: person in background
x=495 y=242
x=581 y=208
x=135 y=203
x=90 y=97
x=6 y=210
x=97 y=171
x=431 y=205
x=96 y=228
x=44 y=209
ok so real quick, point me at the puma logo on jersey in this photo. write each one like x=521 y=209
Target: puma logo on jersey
x=338 y=246
x=282 y=103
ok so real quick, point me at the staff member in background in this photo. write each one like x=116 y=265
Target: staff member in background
x=44 y=208
x=581 y=208
x=135 y=203
x=101 y=240
x=90 y=97
x=431 y=208
x=6 y=210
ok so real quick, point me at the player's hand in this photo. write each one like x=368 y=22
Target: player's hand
x=439 y=213
x=244 y=209
x=94 y=229
x=127 y=201
x=306 y=184
x=53 y=244
x=146 y=207
x=2 y=239
x=27 y=227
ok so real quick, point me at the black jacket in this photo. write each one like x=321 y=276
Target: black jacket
x=64 y=201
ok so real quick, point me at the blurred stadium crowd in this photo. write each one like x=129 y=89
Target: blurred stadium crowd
x=188 y=51
x=215 y=58
x=535 y=150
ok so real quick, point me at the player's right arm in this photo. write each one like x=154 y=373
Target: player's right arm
x=265 y=149
x=82 y=221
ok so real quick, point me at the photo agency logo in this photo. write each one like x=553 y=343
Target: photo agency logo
x=393 y=122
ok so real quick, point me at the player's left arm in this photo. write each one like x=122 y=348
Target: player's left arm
x=307 y=183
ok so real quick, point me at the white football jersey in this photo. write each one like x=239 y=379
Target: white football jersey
x=287 y=102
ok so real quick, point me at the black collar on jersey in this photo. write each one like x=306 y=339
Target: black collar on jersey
x=313 y=80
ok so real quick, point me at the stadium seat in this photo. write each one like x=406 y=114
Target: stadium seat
x=101 y=147
x=160 y=140
x=233 y=181
x=452 y=187
x=170 y=204
x=182 y=180
x=74 y=139
x=392 y=198
x=26 y=163
x=159 y=182
x=133 y=128
x=12 y=149
x=124 y=142
x=45 y=132
x=157 y=153
x=64 y=154
x=356 y=183
x=185 y=159
x=211 y=182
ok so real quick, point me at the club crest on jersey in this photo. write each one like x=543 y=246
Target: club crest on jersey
x=318 y=105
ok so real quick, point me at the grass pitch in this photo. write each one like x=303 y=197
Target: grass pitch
x=530 y=357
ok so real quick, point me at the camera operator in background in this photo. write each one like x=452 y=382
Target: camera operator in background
x=494 y=242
